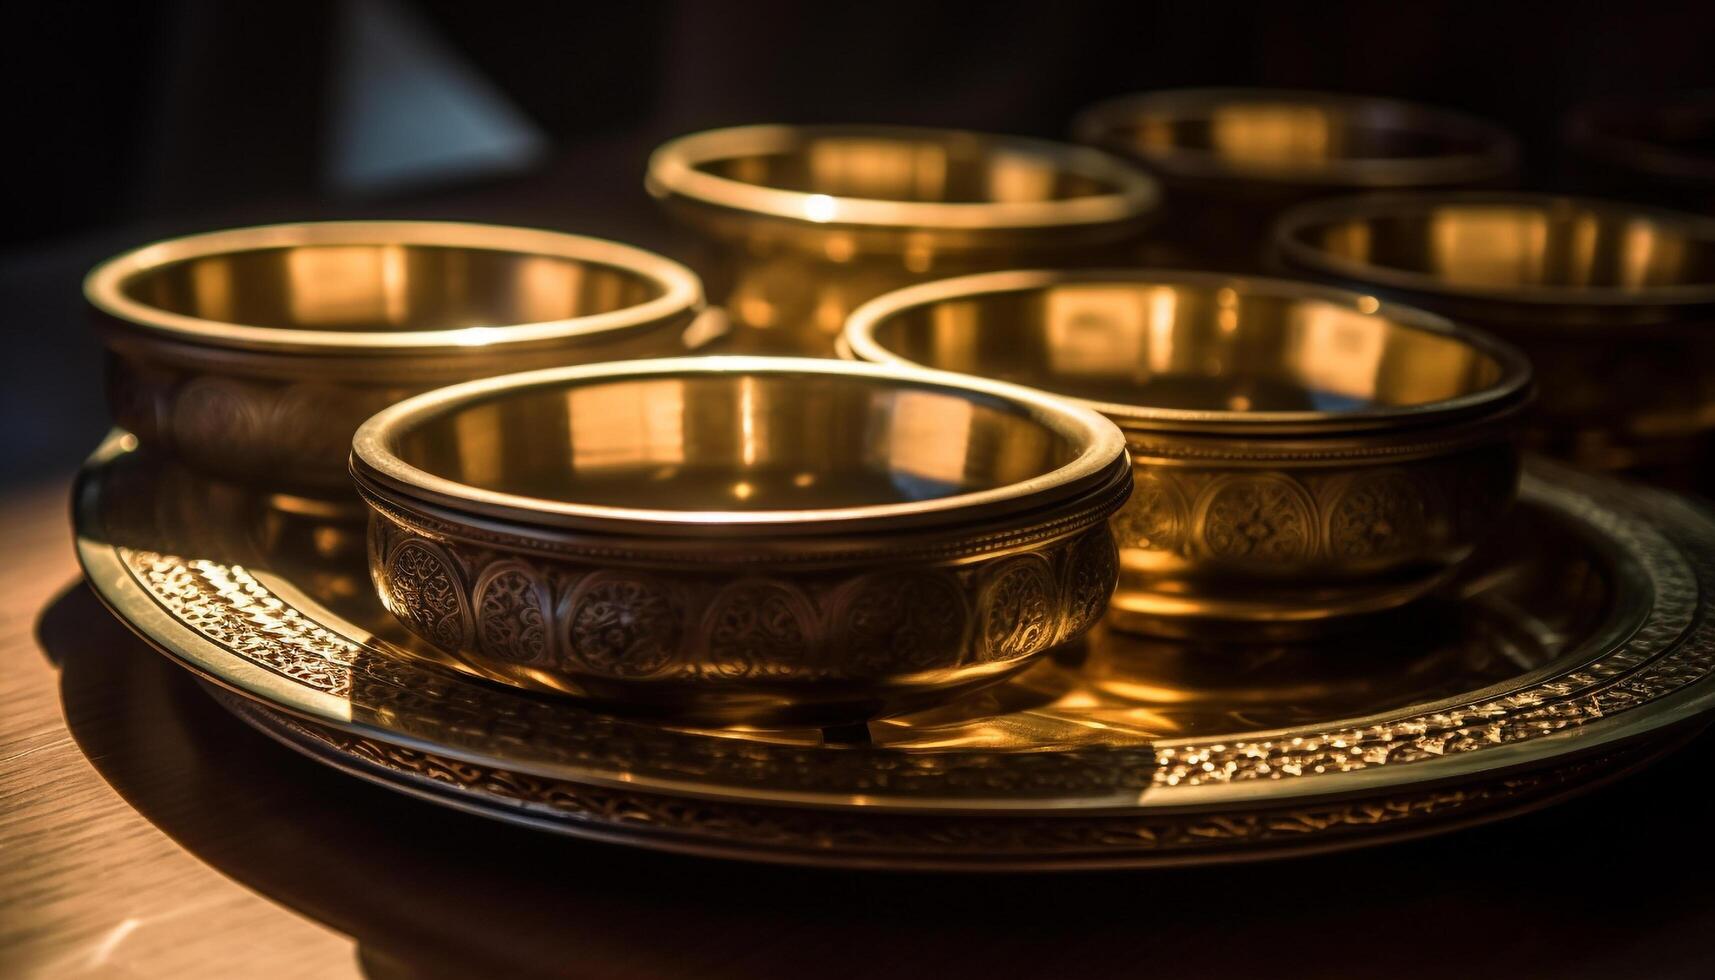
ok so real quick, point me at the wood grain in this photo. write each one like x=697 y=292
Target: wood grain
x=88 y=886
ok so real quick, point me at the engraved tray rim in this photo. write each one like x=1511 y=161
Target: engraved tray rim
x=1686 y=527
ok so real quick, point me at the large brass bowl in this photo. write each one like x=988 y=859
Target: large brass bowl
x=1303 y=455
x=254 y=354
x=799 y=224
x=759 y=540
x=1232 y=159
x=1614 y=304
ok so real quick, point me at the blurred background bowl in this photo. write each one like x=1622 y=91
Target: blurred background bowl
x=802 y=223
x=1302 y=454
x=1231 y=159
x=1614 y=304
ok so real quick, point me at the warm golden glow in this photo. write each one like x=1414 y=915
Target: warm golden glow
x=1482 y=246
x=1272 y=135
x=544 y=285
x=820 y=208
x=335 y=284
x=1094 y=330
x=211 y=284
x=625 y=425
x=1339 y=351
x=928 y=436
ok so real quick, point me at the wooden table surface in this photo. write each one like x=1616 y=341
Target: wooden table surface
x=144 y=833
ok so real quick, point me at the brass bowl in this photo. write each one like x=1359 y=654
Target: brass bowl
x=752 y=539
x=1614 y=304
x=1303 y=454
x=1657 y=148
x=799 y=224
x=1232 y=159
x=254 y=354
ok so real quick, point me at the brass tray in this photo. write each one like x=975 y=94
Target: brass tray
x=1580 y=644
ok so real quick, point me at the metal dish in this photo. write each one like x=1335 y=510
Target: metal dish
x=1302 y=454
x=802 y=223
x=762 y=540
x=1232 y=158
x=1613 y=303
x=253 y=354
x=1577 y=646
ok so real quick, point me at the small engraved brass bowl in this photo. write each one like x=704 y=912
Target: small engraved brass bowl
x=799 y=224
x=743 y=539
x=254 y=354
x=1613 y=303
x=1231 y=159
x=1303 y=454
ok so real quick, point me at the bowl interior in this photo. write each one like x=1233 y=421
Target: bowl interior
x=1202 y=347
x=735 y=442
x=923 y=169
x=1499 y=245
x=1267 y=135
x=387 y=287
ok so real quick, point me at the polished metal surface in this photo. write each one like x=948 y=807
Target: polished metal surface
x=1614 y=304
x=1232 y=158
x=801 y=223
x=1569 y=650
x=1302 y=454
x=255 y=353
x=743 y=539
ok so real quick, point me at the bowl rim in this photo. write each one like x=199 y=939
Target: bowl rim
x=680 y=291
x=1588 y=127
x=1096 y=124
x=1100 y=445
x=1513 y=385
x=674 y=171
x=1289 y=228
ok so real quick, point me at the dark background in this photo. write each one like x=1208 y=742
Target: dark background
x=128 y=122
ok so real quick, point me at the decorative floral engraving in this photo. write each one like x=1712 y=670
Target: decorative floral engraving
x=1092 y=568
x=1153 y=519
x=894 y=621
x=1262 y=518
x=512 y=614
x=424 y=590
x=621 y=624
x=1376 y=515
x=757 y=629
x=1018 y=609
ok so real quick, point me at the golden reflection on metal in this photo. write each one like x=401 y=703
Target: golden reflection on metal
x=1609 y=300
x=1574 y=632
x=254 y=353
x=802 y=223
x=1298 y=460
x=743 y=539
x=1232 y=159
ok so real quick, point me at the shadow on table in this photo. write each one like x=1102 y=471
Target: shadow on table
x=1614 y=883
